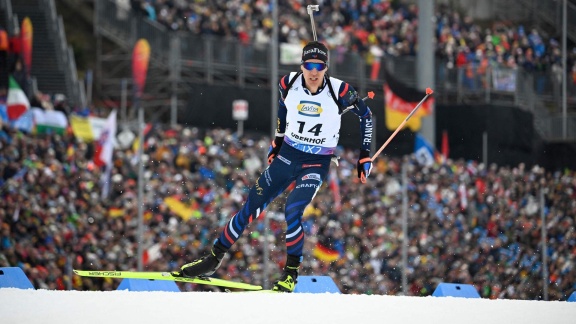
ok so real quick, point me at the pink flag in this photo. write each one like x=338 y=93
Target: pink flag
x=335 y=188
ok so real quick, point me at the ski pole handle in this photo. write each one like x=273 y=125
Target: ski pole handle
x=364 y=176
x=369 y=96
x=310 y=10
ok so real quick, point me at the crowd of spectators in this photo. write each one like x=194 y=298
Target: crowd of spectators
x=371 y=28
x=467 y=223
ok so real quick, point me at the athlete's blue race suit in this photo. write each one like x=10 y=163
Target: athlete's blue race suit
x=306 y=138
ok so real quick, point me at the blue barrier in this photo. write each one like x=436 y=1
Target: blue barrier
x=572 y=297
x=455 y=290
x=148 y=285
x=316 y=284
x=13 y=277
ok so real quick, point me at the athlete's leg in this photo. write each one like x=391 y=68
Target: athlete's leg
x=308 y=182
x=269 y=185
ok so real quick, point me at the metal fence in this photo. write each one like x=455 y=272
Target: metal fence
x=8 y=17
x=6 y=14
x=65 y=56
x=551 y=12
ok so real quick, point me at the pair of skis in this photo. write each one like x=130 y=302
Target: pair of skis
x=170 y=277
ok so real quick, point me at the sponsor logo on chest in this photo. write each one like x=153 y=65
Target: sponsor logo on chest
x=309 y=108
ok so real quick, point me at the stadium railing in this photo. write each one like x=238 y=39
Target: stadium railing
x=65 y=55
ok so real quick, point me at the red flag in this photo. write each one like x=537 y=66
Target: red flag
x=445 y=148
x=26 y=40
x=140 y=59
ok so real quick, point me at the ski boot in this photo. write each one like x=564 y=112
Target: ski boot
x=289 y=276
x=206 y=265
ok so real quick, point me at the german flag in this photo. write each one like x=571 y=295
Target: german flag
x=184 y=210
x=400 y=100
x=70 y=152
x=115 y=212
x=147 y=133
x=325 y=254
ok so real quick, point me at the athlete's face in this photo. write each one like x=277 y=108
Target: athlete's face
x=314 y=73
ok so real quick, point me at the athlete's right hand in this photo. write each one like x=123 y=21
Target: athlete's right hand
x=364 y=165
x=275 y=148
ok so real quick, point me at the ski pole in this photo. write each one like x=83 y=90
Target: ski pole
x=429 y=92
x=311 y=8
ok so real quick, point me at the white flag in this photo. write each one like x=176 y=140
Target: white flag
x=108 y=137
x=105 y=151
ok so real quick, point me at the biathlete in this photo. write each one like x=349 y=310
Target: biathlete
x=309 y=118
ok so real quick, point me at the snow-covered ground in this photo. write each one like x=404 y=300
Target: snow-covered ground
x=75 y=307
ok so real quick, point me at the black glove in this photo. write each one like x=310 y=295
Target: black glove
x=364 y=165
x=275 y=148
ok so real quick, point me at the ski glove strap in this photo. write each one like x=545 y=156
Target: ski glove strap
x=364 y=165
x=275 y=148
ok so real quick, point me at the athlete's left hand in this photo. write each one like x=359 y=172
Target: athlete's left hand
x=274 y=148
x=364 y=165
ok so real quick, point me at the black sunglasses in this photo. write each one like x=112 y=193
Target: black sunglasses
x=313 y=65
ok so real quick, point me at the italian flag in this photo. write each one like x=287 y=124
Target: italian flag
x=17 y=103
